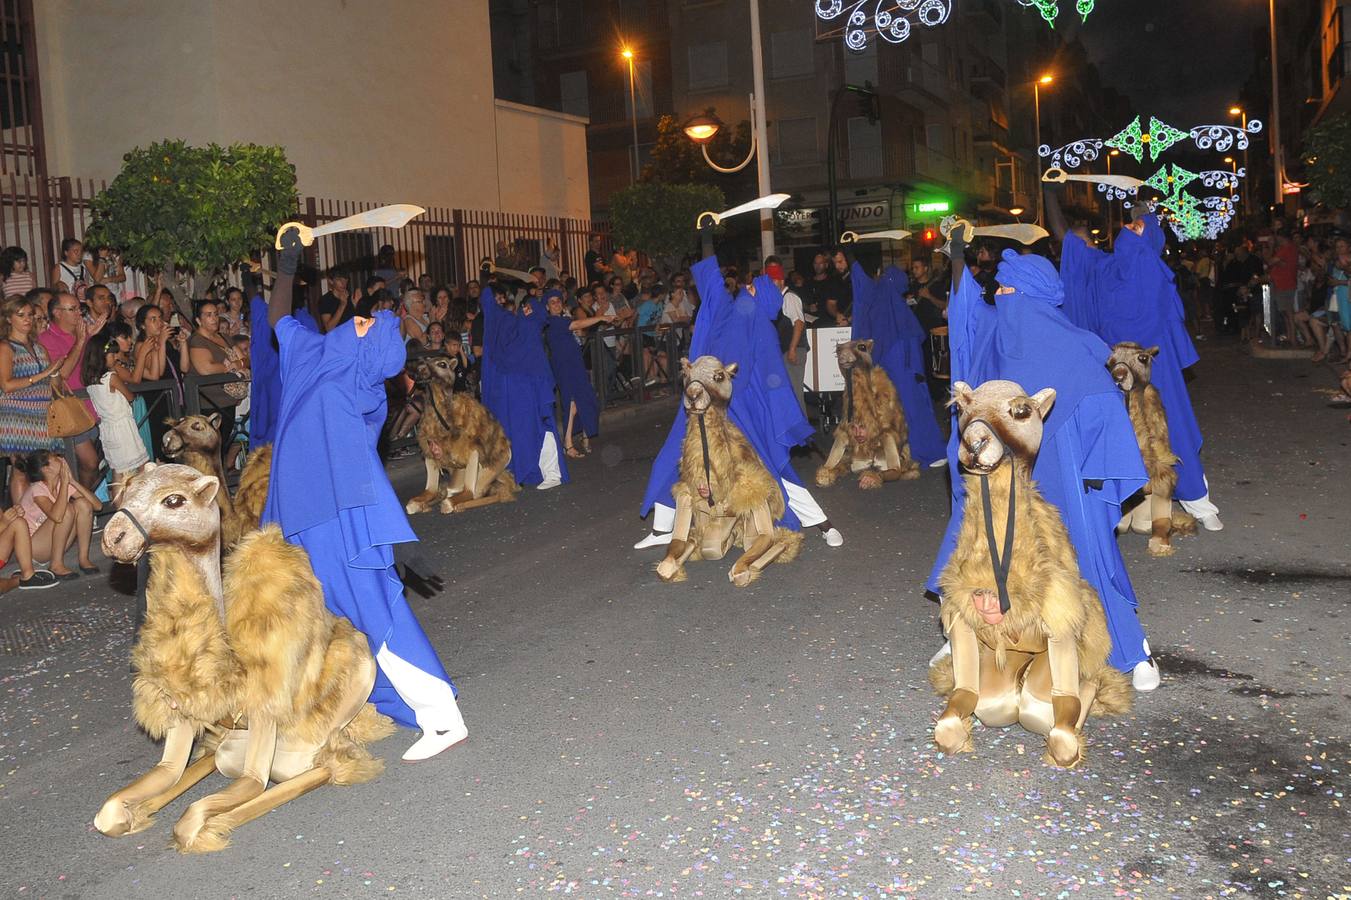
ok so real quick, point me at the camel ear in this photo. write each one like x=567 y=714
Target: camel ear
x=961 y=394
x=149 y=467
x=205 y=488
x=731 y=369
x=685 y=366
x=1153 y=351
x=214 y=420
x=1043 y=400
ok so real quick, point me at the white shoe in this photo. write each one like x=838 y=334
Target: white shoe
x=939 y=463
x=1211 y=522
x=945 y=650
x=654 y=539
x=1146 y=676
x=548 y=483
x=433 y=742
x=833 y=537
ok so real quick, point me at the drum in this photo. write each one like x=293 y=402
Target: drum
x=940 y=360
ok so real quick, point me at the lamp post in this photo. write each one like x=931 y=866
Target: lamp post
x=1243 y=114
x=1036 y=153
x=627 y=53
x=1111 y=204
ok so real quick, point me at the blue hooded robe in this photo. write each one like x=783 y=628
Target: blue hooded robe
x=574 y=384
x=265 y=368
x=1131 y=295
x=740 y=330
x=518 y=385
x=1089 y=460
x=882 y=315
x=329 y=492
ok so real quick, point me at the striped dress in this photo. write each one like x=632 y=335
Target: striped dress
x=23 y=413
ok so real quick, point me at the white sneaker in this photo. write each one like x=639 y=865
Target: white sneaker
x=939 y=463
x=833 y=537
x=434 y=742
x=654 y=539
x=1146 y=676
x=1211 y=522
x=548 y=483
x=945 y=650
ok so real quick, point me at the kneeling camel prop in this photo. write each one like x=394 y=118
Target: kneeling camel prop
x=873 y=439
x=1029 y=637
x=725 y=495
x=252 y=666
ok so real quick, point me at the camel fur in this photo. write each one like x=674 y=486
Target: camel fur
x=251 y=494
x=1152 y=511
x=251 y=666
x=458 y=436
x=874 y=438
x=1042 y=662
x=737 y=501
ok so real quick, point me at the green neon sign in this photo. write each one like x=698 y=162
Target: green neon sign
x=934 y=206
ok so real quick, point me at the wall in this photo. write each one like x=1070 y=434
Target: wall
x=542 y=157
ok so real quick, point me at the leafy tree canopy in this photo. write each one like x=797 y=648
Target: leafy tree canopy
x=658 y=218
x=1327 y=160
x=676 y=159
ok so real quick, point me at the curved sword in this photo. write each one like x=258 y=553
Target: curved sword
x=1056 y=175
x=770 y=201
x=894 y=234
x=394 y=216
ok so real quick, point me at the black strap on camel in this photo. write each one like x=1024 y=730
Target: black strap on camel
x=708 y=476
x=1001 y=564
x=430 y=391
x=142 y=567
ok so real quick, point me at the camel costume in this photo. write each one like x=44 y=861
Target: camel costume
x=872 y=439
x=1089 y=463
x=330 y=494
x=1029 y=640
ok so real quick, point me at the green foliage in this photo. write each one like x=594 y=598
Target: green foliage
x=1327 y=160
x=675 y=159
x=658 y=218
x=194 y=209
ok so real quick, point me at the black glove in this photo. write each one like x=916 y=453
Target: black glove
x=289 y=258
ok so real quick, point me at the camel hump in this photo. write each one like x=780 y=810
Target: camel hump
x=266 y=570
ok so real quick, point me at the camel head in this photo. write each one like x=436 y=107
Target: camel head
x=998 y=421
x=1130 y=365
x=192 y=433
x=171 y=503
x=436 y=369
x=707 y=382
x=854 y=355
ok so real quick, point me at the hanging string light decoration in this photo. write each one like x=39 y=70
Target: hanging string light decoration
x=895 y=20
x=1221 y=137
x=1073 y=154
x=1134 y=141
x=1170 y=183
x=1223 y=179
x=1050 y=9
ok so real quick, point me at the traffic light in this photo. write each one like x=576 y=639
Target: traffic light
x=868 y=105
x=928 y=237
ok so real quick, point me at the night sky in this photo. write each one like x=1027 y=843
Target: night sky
x=1182 y=60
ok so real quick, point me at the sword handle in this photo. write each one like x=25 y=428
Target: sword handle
x=306 y=233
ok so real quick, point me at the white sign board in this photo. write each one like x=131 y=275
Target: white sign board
x=823 y=374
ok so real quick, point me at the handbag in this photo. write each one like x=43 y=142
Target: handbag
x=67 y=416
x=237 y=389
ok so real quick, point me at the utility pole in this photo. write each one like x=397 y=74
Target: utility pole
x=761 y=132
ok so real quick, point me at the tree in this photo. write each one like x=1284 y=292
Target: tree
x=658 y=218
x=675 y=159
x=192 y=212
x=1327 y=160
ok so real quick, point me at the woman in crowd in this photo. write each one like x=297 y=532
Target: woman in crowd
x=106 y=376
x=436 y=336
x=441 y=301
x=580 y=406
x=14 y=270
x=211 y=354
x=60 y=512
x=234 y=315
x=414 y=317
x=71 y=270
x=25 y=371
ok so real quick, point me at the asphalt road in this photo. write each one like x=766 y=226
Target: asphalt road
x=629 y=738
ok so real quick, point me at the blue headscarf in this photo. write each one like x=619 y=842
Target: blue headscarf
x=1032 y=276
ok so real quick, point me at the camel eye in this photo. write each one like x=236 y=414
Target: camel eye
x=1022 y=411
x=719 y=377
x=174 y=501
x=1144 y=360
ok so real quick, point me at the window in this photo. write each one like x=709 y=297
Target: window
x=439 y=250
x=642 y=85
x=708 y=65
x=861 y=67
x=572 y=90
x=935 y=137
x=791 y=53
x=797 y=141
x=865 y=149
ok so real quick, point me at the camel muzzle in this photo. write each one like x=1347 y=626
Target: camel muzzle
x=124 y=539
x=1121 y=374
x=697 y=398
x=981 y=450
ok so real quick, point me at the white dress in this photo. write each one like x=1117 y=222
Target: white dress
x=122 y=445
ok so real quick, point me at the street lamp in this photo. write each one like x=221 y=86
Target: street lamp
x=627 y=53
x=1239 y=111
x=1110 y=202
x=1036 y=113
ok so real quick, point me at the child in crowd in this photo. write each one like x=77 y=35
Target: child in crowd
x=14 y=271
x=106 y=374
x=60 y=512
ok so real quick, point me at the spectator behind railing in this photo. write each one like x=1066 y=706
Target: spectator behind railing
x=161 y=352
x=64 y=339
x=234 y=314
x=71 y=274
x=24 y=372
x=211 y=354
x=106 y=374
x=60 y=512
x=413 y=316
x=14 y=270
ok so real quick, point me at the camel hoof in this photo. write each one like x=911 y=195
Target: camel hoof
x=953 y=735
x=1159 y=547
x=1064 y=748
x=116 y=819
x=742 y=578
x=413 y=508
x=870 y=481
x=824 y=477
x=446 y=507
x=910 y=474
x=670 y=571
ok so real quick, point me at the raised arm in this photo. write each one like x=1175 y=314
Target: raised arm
x=279 y=304
x=1055 y=216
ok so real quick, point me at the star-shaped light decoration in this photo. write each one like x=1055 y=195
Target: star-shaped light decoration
x=1134 y=141
x=1170 y=183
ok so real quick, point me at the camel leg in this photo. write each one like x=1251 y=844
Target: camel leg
x=763 y=524
x=466 y=485
x=195 y=831
x=423 y=501
x=215 y=834
x=952 y=731
x=1050 y=702
x=681 y=548
x=899 y=465
x=1161 y=513
x=133 y=808
x=830 y=469
x=1141 y=516
x=480 y=493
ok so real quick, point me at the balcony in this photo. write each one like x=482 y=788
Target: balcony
x=988 y=79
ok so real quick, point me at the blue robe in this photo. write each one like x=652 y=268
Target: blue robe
x=574 y=384
x=1087 y=437
x=329 y=492
x=518 y=385
x=740 y=330
x=1132 y=296
x=882 y=315
x=265 y=368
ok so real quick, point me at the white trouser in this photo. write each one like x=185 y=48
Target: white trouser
x=1201 y=507
x=431 y=699
x=800 y=501
x=548 y=458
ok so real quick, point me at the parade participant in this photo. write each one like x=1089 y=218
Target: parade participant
x=882 y=315
x=518 y=389
x=580 y=406
x=1130 y=294
x=1089 y=461
x=741 y=330
x=265 y=370
x=330 y=495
